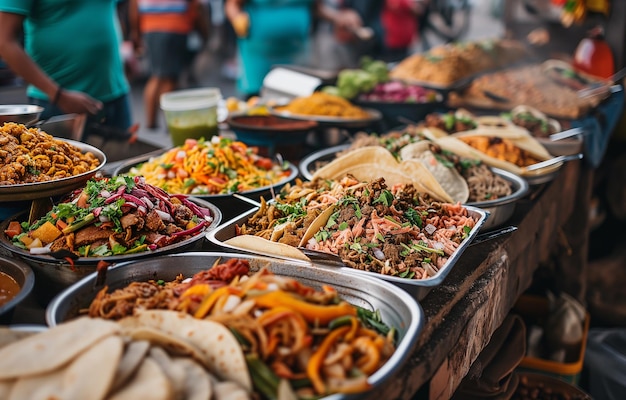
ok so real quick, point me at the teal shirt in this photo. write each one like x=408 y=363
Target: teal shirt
x=279 y=34
x=76 y=42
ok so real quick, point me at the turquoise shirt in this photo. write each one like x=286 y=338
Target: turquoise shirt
x=76 y=42
x=279 y=34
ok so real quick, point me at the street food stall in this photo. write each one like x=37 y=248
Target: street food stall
x=381 y=266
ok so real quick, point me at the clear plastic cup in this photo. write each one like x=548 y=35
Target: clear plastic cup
x=191 y=113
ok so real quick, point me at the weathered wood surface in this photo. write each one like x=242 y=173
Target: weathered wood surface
x=463 y=312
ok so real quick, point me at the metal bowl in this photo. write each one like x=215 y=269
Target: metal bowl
x=24 y=277
x=397 y=308
x=54 y=275
x=227 y=203
x=26 y=114
x=39 y=190
x=502 y=209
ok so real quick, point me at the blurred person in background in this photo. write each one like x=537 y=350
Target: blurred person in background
x=271 y=32
x=400 y=25
x=162 y=29
x=71 y=57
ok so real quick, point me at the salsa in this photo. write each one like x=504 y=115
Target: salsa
x=9 y=288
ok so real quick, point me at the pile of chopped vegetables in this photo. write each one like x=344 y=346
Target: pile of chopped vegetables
x=117 y=216
x=218 y=166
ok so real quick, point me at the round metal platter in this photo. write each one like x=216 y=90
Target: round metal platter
x=374 y=116
x=38 y=190
x=59 y=272
x=125 y=167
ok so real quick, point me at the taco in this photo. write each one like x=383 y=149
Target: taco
x=444 y=172
x=508 y=149
x=372 y=163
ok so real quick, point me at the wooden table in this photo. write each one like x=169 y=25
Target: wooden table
x=463 y=312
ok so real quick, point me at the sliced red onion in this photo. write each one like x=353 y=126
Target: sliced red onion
x=430 y=229
x=378 y=253
x=191 y=231
x=142 y=210
x=438 y=246
x=103 y=218
x=163 y=215
x=96 y=211
x=149 y=203
x=105 y=193
x=113 y=198
x=133 y=199
x=139 y=192
x=153 y=246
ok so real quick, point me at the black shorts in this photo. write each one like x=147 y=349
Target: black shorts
x=167 y=53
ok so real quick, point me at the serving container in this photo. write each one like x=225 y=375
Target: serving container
x=229 y=205
x=39 y=190
x=397 y=308
x=24 y=277
x=20 y=113
x=500 y=210
x=269 y=130
x=54 y=275
x=333 y=121
x=418 y=288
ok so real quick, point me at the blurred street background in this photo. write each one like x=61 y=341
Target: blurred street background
x=215 y=65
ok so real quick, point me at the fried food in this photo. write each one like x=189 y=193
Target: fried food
x=29 y=155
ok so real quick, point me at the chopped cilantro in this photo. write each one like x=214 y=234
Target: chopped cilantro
x=466 y=231
x=412 y=215
x=343 y=225
x=386 y=198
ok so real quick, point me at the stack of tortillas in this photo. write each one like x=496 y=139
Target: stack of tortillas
x=154 y=355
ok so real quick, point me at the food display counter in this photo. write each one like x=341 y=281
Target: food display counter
x=440 y=331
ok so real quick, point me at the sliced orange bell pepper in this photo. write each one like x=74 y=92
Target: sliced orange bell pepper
x=323 y=314
x=316 y=360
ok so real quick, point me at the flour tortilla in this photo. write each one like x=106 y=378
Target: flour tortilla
x=519 y=136
x=149 y=383
x=174 y=372
x=371 y=163
x=133 y=355
x=316 y=225
x=220 y=348
x=198 y=384
x=88 y=376
x=73 y=337
x=448 y=178
x=462 y=149
x=259 y=245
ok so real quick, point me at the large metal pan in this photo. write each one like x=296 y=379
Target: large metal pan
x=397 y=308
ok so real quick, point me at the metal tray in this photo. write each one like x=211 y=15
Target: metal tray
x=229 y=205
x=500 y=209
x=374 y=116
x=38 y=190
x=397 y=308
x=418 y=288
x=53 y=275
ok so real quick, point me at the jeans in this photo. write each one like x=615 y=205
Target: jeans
x=115 y=113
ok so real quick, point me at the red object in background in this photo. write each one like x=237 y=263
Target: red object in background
x=594 y=56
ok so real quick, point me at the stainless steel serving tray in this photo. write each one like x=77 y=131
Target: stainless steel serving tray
x=53 y=274
x=418 y=288
x=500 y=209
x=229 y=205
x=38 y=190
x=397 y=308
x=329 y=121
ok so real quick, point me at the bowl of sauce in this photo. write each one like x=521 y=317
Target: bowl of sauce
x=16 y=282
